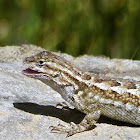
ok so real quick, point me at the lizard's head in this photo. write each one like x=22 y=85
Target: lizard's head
x=49 y=67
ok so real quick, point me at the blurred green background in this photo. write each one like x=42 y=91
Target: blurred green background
x=76 y=27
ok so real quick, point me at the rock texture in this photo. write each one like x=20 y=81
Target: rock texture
x=27 y=106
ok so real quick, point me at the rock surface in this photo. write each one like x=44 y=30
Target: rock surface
x=27 y=106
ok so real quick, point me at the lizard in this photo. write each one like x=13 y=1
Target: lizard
x=87 y=93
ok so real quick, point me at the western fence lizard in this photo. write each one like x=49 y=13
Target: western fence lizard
x=89 y=94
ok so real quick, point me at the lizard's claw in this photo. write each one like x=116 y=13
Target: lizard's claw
x=70 y=129
x=64 y=105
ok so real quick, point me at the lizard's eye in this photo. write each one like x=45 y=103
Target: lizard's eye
x=41 y=62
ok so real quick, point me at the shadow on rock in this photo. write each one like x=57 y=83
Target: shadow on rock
x=68 y=115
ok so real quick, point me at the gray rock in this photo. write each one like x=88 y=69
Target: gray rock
x=27 y=106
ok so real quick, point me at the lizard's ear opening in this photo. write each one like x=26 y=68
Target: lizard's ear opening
x=57 y=74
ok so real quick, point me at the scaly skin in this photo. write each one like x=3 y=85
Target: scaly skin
x=91 y=95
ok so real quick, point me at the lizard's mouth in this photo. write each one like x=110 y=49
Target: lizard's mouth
x=30 y=71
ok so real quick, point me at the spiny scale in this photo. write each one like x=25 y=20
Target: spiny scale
x=91 y=95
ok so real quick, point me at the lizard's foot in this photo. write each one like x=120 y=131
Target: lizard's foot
x=64 y=105
x=70 y=129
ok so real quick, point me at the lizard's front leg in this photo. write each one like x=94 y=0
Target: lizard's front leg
x=72 y=128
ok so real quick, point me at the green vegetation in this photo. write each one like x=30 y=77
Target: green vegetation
x=97 y=27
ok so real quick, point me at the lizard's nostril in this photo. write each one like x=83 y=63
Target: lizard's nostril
x=29 y=59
